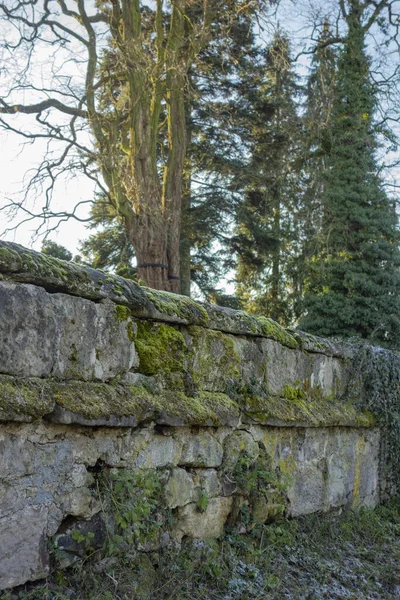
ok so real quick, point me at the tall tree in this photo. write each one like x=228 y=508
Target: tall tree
x=314 y=148
x=355 y=284
x=265 y=231
x=214 y=154
x=133 y=88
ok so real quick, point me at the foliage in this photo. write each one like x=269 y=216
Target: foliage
x=264 y=232
x=345 y=556
x=354 y=286
x=56 y=250
x=135 y=501
x=379 y=371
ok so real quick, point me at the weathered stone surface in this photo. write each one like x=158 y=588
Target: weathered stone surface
x=56 y=335
x=203 y=525
x=181 y=388
x=235 y=444
x=180 y=489
x=45 y=478
x=28 y=266
x=23 y=555
x=203 y=450
x=154 y=451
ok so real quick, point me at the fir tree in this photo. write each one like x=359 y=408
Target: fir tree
x=319 y=92
x=355 y=284
x=264 y=236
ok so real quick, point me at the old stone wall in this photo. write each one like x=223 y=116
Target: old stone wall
x=234 y=418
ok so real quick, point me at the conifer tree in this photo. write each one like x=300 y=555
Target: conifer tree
x=355 y=284
x=264 y=235
x=319 y=92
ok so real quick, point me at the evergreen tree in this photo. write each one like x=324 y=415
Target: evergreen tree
x=355 y=284
x=56 y=250
x=265 y=236
x=319 y=92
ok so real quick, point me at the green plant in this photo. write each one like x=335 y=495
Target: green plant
x=137 y=506
x=203 y=501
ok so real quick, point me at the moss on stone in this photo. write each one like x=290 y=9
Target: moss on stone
x=182 y=307
x=162 y=351
x=208 y=408
x=213 y=350
x=300 y=410
x=294 y=393
x=122 y=313
x=23 y=399
x=273 y=330
x=28 y=266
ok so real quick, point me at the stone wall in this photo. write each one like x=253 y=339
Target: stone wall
x=239 y=419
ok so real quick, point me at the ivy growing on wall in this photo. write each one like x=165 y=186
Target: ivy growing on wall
x=375 y=385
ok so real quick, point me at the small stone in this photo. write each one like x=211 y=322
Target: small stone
x=179 y=489
x=203 y=525
x=235 y=444
x=202 y=450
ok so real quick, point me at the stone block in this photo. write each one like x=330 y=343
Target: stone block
x=23 y=552
x=62 y=336
x=201 y=450
x=180 y=489
x=202 y=525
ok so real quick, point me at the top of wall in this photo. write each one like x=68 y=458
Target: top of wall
x=22 y=265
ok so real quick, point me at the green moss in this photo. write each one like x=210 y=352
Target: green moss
x=122 y=313
x=74 y=354
x=131 y=332
x=23 y=398
x=300 y=410
x=273 y=330
x=178 y=306
x=212 y=350
x=33 y=398
x=162 y=351
x=208 y=408
x=295 y=394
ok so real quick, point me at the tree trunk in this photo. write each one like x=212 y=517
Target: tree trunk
x=185 y=242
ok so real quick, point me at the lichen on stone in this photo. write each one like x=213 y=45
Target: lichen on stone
x=212 y=350
x=273 y=330
x=27 y=266
x=23 y=399
x=295 y=408
x=183 y=308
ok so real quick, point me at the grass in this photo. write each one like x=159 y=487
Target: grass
x=352 y=556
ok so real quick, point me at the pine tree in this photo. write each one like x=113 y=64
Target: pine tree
x=355 y=284
x=264 y=234
x=319 y=92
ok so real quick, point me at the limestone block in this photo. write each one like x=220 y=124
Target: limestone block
x=215 y=361
x=284 y=366
x=23 y=554
x=28 y=330
x=93 y=340
x=237 y=443
x=202 y=450
x=154 y=451
x=253 y=368
x=207 y=482
x=196 y=524
x=62 y=336
x=328 y=375
x=180 y=489
x=265 y=510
